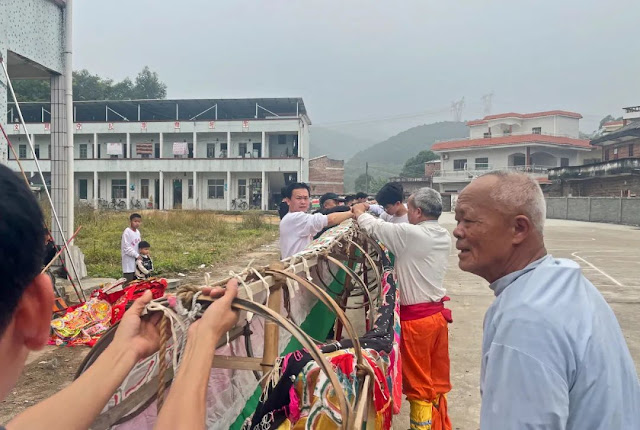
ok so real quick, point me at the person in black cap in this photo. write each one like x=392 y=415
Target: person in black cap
x=350 y=200
x=330 y=200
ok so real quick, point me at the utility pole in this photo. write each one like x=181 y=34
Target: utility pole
x=366 y=174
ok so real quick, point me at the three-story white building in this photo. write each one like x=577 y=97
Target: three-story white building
x=169 y=154
x=531 y=142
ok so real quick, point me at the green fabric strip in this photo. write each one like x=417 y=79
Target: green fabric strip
x=317 y=325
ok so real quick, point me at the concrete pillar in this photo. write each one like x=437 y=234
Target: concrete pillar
x=95 y=190
x=265 y=191
x=4 y=146
x=161 y=193
x=59 y=157
x=195 y=146
x=95 y=145
x=264 y=145
x=161 y=145
x=196 y=200
x=227 y=193
x=130 y=152
x=228 y=145
x=128 y=188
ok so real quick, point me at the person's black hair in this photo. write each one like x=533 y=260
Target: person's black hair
x=349 y=198
x=296 y=186
x=361 y=195
x=144 y=244
x=22 y=243
x=283 y=192
x=133 y=216
x=390 y=194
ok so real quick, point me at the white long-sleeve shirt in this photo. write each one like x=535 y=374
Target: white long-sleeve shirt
x=422 y=256
x=380 y=212
x=129 y=248
x=297 y=230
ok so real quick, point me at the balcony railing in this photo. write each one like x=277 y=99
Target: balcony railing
x=520 y=133
x=624 y=166
x=467 y=174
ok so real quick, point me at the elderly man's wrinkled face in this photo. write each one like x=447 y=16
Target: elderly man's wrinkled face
x=413 y=213
x=484 y=239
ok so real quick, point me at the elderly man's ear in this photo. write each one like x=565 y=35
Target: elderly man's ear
x=33 y=314
x=522 y=229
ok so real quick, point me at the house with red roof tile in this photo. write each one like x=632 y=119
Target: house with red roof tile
x=531 y=142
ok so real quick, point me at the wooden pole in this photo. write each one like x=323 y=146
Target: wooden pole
x=271 y=332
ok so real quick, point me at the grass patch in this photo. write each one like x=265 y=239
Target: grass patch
x=180 y=240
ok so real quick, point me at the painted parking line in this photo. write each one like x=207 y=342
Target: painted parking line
x=602 y=272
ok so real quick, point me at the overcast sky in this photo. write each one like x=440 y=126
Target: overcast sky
x=376 y=65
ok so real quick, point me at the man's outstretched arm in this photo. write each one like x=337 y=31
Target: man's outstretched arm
x=78 y=405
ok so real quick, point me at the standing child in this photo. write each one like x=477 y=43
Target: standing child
x=144 y=265
x=129 y=247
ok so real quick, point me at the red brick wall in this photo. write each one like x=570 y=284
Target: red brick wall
x=624 y=150
x=326 y=176
x=431 y=168
x=605 y=187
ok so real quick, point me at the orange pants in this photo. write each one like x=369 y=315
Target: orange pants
x=425 y=370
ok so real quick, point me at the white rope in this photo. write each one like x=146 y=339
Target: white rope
x=305 y=265
x=178 y=341
x=246 y=289
x=264 y=283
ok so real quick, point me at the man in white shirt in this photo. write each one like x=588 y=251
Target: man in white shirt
x=390 y=207
x=129 y=247
x=421 y=248
x=297 y=227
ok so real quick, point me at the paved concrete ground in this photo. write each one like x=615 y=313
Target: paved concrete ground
x=610 y=258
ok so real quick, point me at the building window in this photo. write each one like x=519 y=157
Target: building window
x=156 y=150
x=118 y=188
x=49 y=151
x=144 y=188
x=631 y=150
x=82 y=189
x=487 y=135
x=223 y=150
x=242 y=188
x=216 y=188
x=190 y=149
x=536 y=130
x=22 y=151
x=606 y=154
x=190 y=189
x=113 y=156
x=564 y=162
x=145 y=155
x=211 y=150
x=519 y=160
x=242 y=149
x=482 y=163
x=83 y=151
x=460 y=164
x=36 y=148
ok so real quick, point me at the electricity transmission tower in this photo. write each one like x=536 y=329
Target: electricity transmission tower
x=487 y=101
x=456 y=109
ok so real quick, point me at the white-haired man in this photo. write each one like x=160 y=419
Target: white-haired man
x=553 y=354
x=421 y=250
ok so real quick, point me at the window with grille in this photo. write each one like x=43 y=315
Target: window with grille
x=242 y=188
x=83 y=151
x=118 y=188
x=536 y=130
x=22 y=151
x=242 y=149
x=631 y=150
x=460 y=164
x=144 y=188
x=216 y=188
x=482 y=163
x=211 y=150
x=36 y=148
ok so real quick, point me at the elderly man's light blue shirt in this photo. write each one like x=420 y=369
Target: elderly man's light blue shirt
x=553 y=355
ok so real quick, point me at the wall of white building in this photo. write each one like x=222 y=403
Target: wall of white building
x=553 y=125
x=503 y=157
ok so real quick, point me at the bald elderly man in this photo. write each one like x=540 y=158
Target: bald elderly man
x=553 y=354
